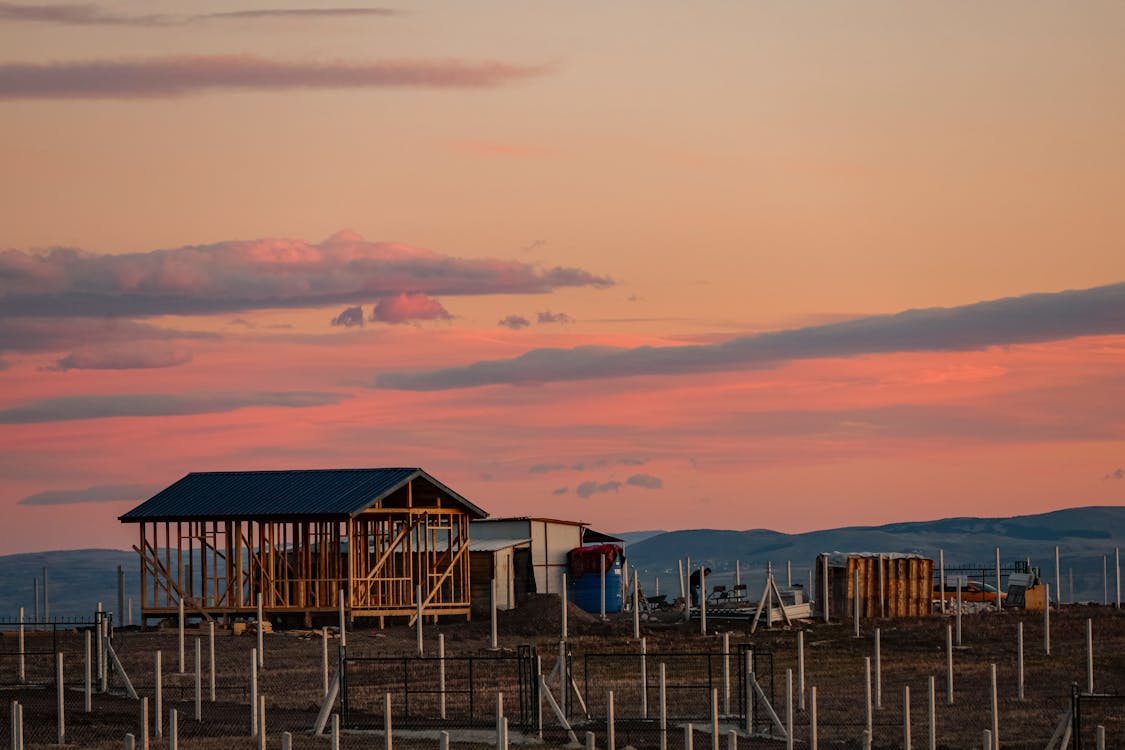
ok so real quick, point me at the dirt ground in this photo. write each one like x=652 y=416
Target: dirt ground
x=911 y=651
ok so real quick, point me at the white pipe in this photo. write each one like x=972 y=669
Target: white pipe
x=999 y=600
x=610 y=723
x=702 y=600
x=1019 y=661
x=1058 y=580
x=789 y=709
x=22 y=666
x=262 y=722
x=343 y=622
x=211 y=657
x=601 y=571
x=933 y=715
x=813 y=741
x=801 y=669
x=789 y=573
x=726 y=673
x=663 y=709
x=941 y=565
x=158 y=698
x=636 y=608
x=986 y=739
x=714 y=719
x=855 y=600
x=949 y=665
x=1089 y=656
x=960 y=580
x=824 y=589
x=324 y=659
x=198 y=680
x=87 y=678
x=995 y=707
x=334 y=734
x=61 y=693
x=688 y=736
x=144 y=723
x=173 y=730
x=388 y=740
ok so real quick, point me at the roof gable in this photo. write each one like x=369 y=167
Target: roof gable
x=334 y=493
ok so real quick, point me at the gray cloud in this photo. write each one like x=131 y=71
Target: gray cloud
x=587 y=489
x=57 y=334
x=1117 y=474
x=65 y=408
x=351 y=316
x=549 y=317
x=124 y=357
x=646 y=481
x=92 y=14
x=181 y=76
x=515 y=322
x=1015 y=320
x=258 y=274
x=103 y=493
x=546 y=468
x=560 y=490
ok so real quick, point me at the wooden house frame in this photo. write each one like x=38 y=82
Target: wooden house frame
x=217 y=541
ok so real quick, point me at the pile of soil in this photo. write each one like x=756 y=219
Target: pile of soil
x=541 y=615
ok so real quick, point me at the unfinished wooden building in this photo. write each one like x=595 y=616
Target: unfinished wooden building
x=890 y=584
x=299 y=539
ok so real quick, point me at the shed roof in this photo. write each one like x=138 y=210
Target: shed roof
x=330 y=493
x=495 y=545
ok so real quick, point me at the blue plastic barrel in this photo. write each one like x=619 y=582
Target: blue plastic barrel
x=586 y=590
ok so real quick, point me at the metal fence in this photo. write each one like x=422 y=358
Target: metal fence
x=1089 y=711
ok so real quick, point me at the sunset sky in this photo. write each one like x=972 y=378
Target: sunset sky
x=750 y=264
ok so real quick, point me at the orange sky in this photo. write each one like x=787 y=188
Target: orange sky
x=534 y=180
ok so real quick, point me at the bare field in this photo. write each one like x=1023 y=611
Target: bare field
x=912 y=652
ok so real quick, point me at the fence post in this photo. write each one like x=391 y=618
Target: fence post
x=732 y=739
x=941 y=565
x=100 y=645
x=714 y=719
x=180 y=622
x=865 y=739
x=211 y=657
x=1117 y=573
x=688 y=732
x=21 y=664
x=636 y=607
x=443 y=741
x=562 y=596
x=324 y=660
x=334 y=733
x=261 y=722
x=878 y=670
x=824 y=589
x=1058 y=581
x=500 y=720
x=610 y=728
x=1019 y=660
x=46 y=605
x=418 y=618
x=493 y=637
x=644 y=678
x=933 y=714
x=87 y=682
x=343 y=621
x=855 y=600
x=789 y=709
x=261 y=636
x=995 y=706
x=198 y=680
x=949 y=665
x=906 y=717
x=683 y=585
x=158 y=692
x=286 y=741
x=702 y=600
x=601 y=570
x=1089 y=656
x=789 y=573
x=749 y=656
x=999 y=601
x=813 y=742
x=1047 y=619
x=801 y=669
x=441 y=674
x=591 y=741
x=960 y=581
x=173 y=730
x=253 y=692
x=1099 y=737
x=388 y=742
x=663 y=710
x=61 y=693
x=986 y=739
x=726 y=673
x=867 y=694
x=129 y=611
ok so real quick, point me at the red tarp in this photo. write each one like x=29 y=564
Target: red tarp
x=583 y=560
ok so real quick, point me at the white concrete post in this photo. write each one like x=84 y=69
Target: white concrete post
x=388 y=741
x=855 y=600
x=101 y=647
x=636 y=608
x=687 y=599
x=334 y=733
x=21 y=665
x=253 y=692
x=941 y=565
x=1019 y=660
x=878 y=670
x=933 y=715
x=789 y=709
x=960 y=580
x=750 y=682
x=1117 y=574
x=562 y=597
x=1089 y=656
x=644 y=678
x=493 y=632
x=61 y=693
x=702 y=600
x=824 y=589
x=211 y=657
x=180 y=623
x=261 y=636
x=443 y=741
x=986 y=739
x=714 y=719
x=949 y=665
x=144 y=723
x=418 y=618
x=683 y=587
x=499 y=720
x=173 y=730
x=868 y=718
x=732 y=739
x=601 y=572
x=1047 y=620
x=737 y=574
x=130 y=742
x=591 y=741
x=813 y=741
x=564 y=680
x=441 y=674
x=789 y=573
x=17 y=726
x=610 y=723
x=262 y=734
x=87 y=677
x=1058 y=580
x=906 y=717
x=999 y=601
x=158 y=697
x=865 y=740
x=1105 y=580
x=726 y=673
x=663 y=709
x=1099 y=737
x=286 y=741
x=689 y=731
x=801 y=669
x=343 y=622
x=198 y=680
x=995 y=706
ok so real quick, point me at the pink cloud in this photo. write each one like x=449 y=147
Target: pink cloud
x=408 y=306
x=125 y=357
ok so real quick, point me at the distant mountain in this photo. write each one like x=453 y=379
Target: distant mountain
x=1083 y=535
x=79 y=579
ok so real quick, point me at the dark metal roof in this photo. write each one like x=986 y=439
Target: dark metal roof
x=332 y=493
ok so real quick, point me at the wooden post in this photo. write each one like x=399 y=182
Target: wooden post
x=261 y=636
x=158 y=697
x=21 y=664
x=441 y=674
x=253 y=692
x=726 y=673
x=493 y=632
x=801 y=669
x=933 y=715
x=824 y=590
x=211 y=657
x=644 y=678
x=941 y=565
x=59 y=683
x=995 y=706
x=610 y=723
x=388 y=741
x=868 y=723
x=949 y=665
x=198 y=680
x=1089 y=656
x=1019 y=660
x=88 y=680
x=906 y=717
x=789 y=709
x=702 y=600
x=999 y=601
x=663 y=709
x=1058 y=581
x=562 y=596
x=855 y=599
x=1047 y=619
x=180 y=621
x=878 y=671
x=813 y=742
x=636 y=608
x=601 y=571
x=418 y=618
x=714 y=719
